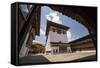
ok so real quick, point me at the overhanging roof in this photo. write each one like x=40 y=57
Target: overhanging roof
x=49 y=23
x=86 y=15
x=57 y=43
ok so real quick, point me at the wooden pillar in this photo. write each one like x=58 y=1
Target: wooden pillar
x=93 y=36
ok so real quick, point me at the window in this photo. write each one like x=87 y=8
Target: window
x=59 y=31
x=64 y=32
x=53 y=29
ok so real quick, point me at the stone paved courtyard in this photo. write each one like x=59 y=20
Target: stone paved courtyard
x=69 y=56
x=43 y=58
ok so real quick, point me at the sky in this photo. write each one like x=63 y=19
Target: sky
x=76 y=30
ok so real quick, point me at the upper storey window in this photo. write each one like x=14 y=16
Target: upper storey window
x=64 y=32
x=53 y=29
x=59 y=31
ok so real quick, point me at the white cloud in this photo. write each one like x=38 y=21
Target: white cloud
x=35 y=41
x=42 y=32
x=54 y=17
x=69 y=35
x=48 y=17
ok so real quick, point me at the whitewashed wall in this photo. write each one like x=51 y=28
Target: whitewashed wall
x=48 y=47
x=54 y=37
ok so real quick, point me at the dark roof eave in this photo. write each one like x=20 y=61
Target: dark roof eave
x=49 y=23
x=57 y=43
x=80 y=39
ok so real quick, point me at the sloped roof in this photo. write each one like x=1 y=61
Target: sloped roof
x=49 y=23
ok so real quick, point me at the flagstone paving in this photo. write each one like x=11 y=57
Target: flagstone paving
x=69 y=56
x=62 y=57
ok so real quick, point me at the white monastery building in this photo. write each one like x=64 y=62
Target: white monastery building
x=56 y=38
